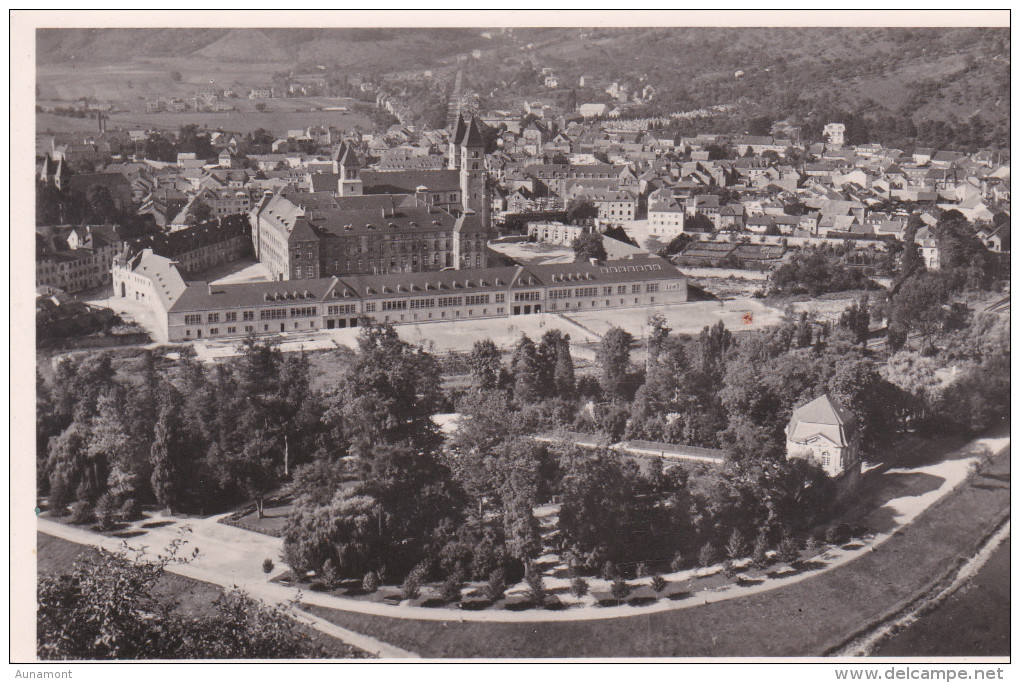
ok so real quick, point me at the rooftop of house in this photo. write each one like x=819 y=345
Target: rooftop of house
x=167 y=281
x=822 y=416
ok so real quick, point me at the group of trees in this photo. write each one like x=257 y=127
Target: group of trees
x=70 y=207
x=589 y=245
x=920 y=301
x=181 y=436
x=689 y=391
x=818 y=270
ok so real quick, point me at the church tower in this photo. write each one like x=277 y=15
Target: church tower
x=453 y=161
x=347 y=165
x=473 y=186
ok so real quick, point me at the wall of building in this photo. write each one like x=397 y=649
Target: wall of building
x=666 y=223
x=215 y=254
x=275 y=317
x=134 y=286
x=77 y=270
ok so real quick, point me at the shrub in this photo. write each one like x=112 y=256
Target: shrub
x=609 y=571
x=267 y=566
x=677 y=563
x=859 y=532
x=620 y=589
x=452 y=585
x=330 y=575
x=838 y=535
x=496 y=588
x=130 y=510
x=536 y=586
x=707 y=556
x=370 y=584
x=729 y=568
x=760 y=557
x=411 y=588
x=578 y=587
x=736 y=547
x=642 y=570
x=787 y=551
x=658 y=584
x=105 y=512
x=81 y=512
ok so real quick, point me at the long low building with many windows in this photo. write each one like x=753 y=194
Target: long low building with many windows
x=204 y=310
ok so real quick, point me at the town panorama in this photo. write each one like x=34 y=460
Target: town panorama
x=502 y=343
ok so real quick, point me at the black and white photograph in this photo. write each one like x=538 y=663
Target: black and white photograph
x=497 y=336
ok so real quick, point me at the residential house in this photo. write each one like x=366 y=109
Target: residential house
x=824 y=433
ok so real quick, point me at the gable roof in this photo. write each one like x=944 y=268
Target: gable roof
x=166 y=280
x=822 y=416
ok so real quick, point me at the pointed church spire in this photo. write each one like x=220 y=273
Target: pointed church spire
x=458 y=128
x=473 y=136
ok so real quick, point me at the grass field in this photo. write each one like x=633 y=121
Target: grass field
x=806 y=619
x=194 y=598
x=974 y=620
x=272 y=523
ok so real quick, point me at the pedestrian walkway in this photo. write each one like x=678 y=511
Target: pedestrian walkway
x=230 y=556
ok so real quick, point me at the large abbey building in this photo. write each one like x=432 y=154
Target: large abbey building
x=376 y=222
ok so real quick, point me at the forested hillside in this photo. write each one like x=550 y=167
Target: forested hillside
x=931 y=86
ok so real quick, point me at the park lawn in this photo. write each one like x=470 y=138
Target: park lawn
x=195 y=598
x=974 y=619
x=271 y=524
x=809 y=618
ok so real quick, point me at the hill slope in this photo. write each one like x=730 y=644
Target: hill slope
x=943 y=87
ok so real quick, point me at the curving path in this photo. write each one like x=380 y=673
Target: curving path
x=233 y=557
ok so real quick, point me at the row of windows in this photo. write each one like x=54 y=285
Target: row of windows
x=272 y=313
x=442 y=314
x=566 y=304
x=591 y=291
x=442 y=302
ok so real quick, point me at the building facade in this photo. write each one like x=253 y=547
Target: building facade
x=551 y=232
x=665 y=219
x=298 y=242
x=825 y=433
x=203 y=311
